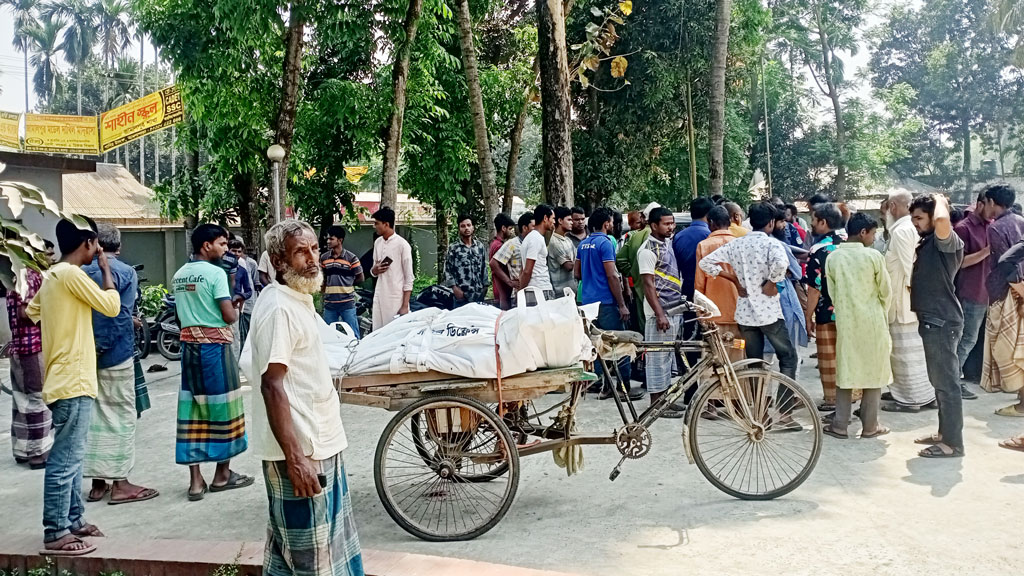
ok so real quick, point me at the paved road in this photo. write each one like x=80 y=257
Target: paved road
x=871 y=505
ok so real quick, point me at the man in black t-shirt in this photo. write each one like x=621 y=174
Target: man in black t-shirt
x=941 y=319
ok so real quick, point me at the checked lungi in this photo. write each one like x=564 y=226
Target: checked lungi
x=142 y=402
x=211 y=415
x=659 y=364
x=31 y=424
x=1003 y=367
x=910 y=383
x=311 y=536
x=110 y=449
x=825 y=337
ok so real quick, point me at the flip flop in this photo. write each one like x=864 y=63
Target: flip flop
x=234 y=481
x=830 y=432
x=827 y=407
x=91 y=498
x=1016 y=444
x=880 y=431
x=140 y=496
x=197 y=496
x=929 y=440
x=1010 y=411
x=89 y=531
x=63 y=551
x=936 y=452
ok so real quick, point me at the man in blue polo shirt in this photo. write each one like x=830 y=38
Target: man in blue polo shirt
x=595 y=267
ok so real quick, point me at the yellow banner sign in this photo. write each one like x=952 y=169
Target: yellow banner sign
x=355 y=173
x=67 y=134
x=10 y=123
x=140 y=117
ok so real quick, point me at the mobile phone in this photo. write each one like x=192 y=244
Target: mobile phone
x=322 y=478
x=386 y=261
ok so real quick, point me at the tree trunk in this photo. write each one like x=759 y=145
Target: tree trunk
x=79 y=83
x=515 y=140
x=441 y=230
x=291 y=76
x=246 y=187
x=965 y=131
x=142 y=92
x=555 y=107
x=24 y=49
x=691 y=136
x=716 y=100
x=393 y=131
x=488 y=186
x=833 y=95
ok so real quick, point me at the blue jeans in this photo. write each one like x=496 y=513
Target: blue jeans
x=608 y=319
x=974 y=321
x=62 y=487
x=346 y=315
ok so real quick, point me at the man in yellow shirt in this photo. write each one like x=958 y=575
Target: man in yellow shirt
x=63 y=307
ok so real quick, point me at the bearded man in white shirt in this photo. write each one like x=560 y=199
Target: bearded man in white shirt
x=297 y=429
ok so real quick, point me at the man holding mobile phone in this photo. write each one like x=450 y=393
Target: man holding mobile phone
x=392 y=257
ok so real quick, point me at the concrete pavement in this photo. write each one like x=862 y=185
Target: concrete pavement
x=870 y=505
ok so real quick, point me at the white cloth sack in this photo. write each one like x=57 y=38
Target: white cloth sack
x=339 y=347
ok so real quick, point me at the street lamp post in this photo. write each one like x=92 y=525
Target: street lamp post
x=276 y=154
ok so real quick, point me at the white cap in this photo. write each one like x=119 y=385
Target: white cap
x=651 y=206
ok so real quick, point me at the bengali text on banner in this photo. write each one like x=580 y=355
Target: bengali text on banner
x=10 y=123
x=66 y=134
x=140 y=117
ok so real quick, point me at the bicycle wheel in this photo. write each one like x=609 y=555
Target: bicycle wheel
x=762 y=457
x=425 y=459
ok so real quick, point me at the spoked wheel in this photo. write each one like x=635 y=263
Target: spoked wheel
x=487 y=473
x=763 y=456
x=446 y=468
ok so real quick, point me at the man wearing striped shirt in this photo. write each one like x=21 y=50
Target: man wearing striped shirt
x=342 y=271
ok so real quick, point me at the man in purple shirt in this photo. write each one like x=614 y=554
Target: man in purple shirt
x=970 y=282
x=1000 y=372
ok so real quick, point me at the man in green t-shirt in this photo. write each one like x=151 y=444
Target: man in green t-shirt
x=211 y=417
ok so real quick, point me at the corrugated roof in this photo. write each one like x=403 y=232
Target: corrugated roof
x=112 y=194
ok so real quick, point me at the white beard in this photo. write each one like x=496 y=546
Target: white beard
x=304 y=284
x=890 y=221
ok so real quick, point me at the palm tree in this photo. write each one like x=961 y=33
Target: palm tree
x=115 y=34
x=44 y=44
x=79 y=36
x=24 y=15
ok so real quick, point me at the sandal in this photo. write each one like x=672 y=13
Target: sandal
x=831 y=432
x=66 y=549
x=197 y=496
x=879 y=431
x=1016 y=444
x=1010 y=411
x=91 y=498
x=903 y=408
x=936 y=451
x=234 y=481
x=142 y=495
x=827 y=407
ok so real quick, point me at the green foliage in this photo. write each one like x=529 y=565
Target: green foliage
x=152 y=300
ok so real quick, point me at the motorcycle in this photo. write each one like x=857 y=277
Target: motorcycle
x=143 y=338
x=168 y=330
x=435 y=296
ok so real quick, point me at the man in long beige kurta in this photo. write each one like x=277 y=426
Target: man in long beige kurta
x=910 y=388
x=392 y=267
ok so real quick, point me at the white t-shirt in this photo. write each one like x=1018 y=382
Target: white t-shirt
x=284 y=331
x=536 y=248
x=647 y=263
x=267 y=267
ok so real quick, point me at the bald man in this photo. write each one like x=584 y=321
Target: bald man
x=736 y=219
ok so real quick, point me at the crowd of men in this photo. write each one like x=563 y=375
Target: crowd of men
x=900 y=310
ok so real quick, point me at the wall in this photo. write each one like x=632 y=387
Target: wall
x=162 y=252
x=423 y=240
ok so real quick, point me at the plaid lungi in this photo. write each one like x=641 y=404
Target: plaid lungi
x=659 y=364
x=825 y=337
x=31 y=425
x=1003 y=367
x=211 y=415
x=110 y=450
x=311 y=536
x=910 y=383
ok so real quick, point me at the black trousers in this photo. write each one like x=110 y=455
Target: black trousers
x=779 y=337
x=941 y=340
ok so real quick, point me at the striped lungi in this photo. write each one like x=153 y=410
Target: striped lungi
x=825 y=338
x=659 y=364
x=142 y=402
x=110 y=449
x=211 y=415
x=1003 y=367
x=31 y=425
x=910 y=383
x=311 y=536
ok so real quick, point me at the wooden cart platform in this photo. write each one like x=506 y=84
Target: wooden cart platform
x=394 y=391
